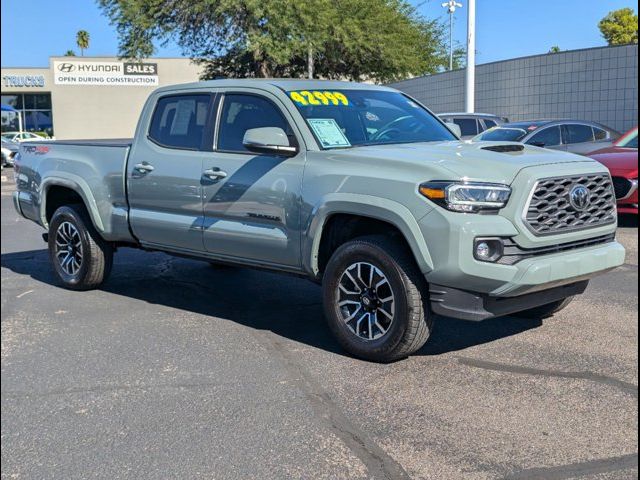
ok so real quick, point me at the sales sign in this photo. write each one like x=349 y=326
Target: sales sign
x=126 y=74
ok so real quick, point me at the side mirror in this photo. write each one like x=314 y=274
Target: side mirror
x=455 y=128
x=268 y=140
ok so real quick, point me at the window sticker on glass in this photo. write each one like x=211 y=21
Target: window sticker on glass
x=318 y=97
x=184 y=110
x=328 y=132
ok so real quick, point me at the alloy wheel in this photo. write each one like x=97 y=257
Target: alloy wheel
x=366 y=301
x=68 y=248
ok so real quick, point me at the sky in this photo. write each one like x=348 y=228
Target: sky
x=34 y=30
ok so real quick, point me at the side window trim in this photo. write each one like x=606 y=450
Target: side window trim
x=202 y=148
x=218 y=120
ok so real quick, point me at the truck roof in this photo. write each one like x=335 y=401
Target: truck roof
x=286 y=84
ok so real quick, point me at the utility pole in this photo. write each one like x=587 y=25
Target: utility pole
x=470 y=97
x=451 y=6
x=310 y=62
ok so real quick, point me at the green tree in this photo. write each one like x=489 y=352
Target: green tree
x=555 y=49
x=620 y=27
x=69 y=53
x=379 y=40
x=82 y=40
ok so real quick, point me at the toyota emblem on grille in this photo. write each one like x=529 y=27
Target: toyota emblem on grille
x=580 y=197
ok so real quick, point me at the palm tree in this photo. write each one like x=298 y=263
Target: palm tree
x=70 y=53
x=82 y=40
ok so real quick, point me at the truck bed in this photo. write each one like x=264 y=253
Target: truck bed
x=95 y=169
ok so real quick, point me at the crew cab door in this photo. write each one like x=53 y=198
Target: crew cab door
x=164 y=171
x=252 y=201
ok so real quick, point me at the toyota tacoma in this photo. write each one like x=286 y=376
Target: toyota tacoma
x=357 y=187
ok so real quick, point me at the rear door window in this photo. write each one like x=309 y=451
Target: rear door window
x=179 y=121
x=468 y=126
x=549 y=137
x=600 y=134
x=579 y=133
x=489 y=124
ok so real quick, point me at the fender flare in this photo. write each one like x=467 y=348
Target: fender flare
x=364 y=206
x=78 y=185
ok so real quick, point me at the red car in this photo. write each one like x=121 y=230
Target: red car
x=622 y=161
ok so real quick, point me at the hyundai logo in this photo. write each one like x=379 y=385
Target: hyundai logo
x=66 y=67
x=580 y=197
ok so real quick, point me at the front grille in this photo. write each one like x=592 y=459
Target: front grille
x=514 y=253
x=550 y=210
x=622 y=186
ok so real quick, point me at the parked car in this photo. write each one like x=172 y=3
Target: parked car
x=573 y=136
x=622 y=161
x=23 y=136
x=9 y=150
x=471 y=124
x=354 y=186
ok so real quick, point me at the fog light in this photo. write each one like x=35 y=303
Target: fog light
x=483 y=251
x=488 y=249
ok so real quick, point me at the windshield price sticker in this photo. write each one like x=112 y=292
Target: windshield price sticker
x=318 y=97
x=328 y=132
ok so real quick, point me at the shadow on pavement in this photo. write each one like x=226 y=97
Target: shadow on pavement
x=288 y=306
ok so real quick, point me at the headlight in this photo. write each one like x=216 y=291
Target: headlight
x=467 y=197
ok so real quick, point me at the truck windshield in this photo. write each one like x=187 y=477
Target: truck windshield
x=348 y=118
x=502 y=134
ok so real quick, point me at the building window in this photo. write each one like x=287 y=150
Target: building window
x=35 y=110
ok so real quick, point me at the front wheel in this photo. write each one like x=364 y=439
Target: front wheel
x=375 y=299
x=81 y=258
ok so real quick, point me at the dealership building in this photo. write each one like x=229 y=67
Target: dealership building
x=101 y=97
x=86 y=97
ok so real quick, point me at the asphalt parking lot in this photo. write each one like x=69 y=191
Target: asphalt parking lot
x=175 y=369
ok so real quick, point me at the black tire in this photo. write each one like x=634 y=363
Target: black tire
x=545 y=311
x=97 y=255
x=412 y=322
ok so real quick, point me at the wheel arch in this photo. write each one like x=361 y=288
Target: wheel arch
x=73 y=187
x=378 y=210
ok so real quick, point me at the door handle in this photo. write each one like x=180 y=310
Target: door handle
x=143 y=168
x=215 y=173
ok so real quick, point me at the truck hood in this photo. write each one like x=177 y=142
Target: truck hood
x=496 y=162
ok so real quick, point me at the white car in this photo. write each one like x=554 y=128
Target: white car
x=23 y=137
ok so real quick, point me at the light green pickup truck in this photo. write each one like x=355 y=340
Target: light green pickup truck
x=357 y=187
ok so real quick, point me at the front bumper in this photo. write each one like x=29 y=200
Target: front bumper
x=453 y=302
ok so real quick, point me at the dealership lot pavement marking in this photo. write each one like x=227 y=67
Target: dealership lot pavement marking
x=176 y=369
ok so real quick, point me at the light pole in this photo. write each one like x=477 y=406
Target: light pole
x=451 y=6
x=470 y=97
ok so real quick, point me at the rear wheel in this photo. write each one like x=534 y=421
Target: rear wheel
x=545 y=311
x=375 y=300
x=81 y=259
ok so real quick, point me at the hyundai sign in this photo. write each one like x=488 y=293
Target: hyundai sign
x=127 y=74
